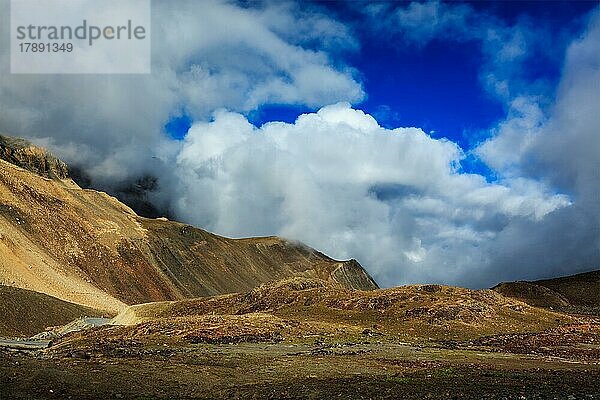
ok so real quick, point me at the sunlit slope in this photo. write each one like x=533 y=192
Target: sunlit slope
x=86 y=247
x=298 y=308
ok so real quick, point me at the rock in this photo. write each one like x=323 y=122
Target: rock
x=23 y=154
x=80 y=354
x=431 y=288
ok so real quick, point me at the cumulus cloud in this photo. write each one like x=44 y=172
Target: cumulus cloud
x=396 y=200
x=563 y=150
x=206 y=55
x=513 y=137
x=338 y=181
x=548 y=137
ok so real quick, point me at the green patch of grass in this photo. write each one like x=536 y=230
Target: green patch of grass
x=447 y=372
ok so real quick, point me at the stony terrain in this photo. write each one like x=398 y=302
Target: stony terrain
x=301 y=307
x=309 y=338
x=316 y=370
x=262 y=356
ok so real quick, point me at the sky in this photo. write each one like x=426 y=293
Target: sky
x=447 y=142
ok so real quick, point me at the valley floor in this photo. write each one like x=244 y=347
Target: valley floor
x=370 y=369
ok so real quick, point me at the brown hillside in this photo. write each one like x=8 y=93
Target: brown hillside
x=25 y=313
x=297 y=307
x=85 y=247
x=575 y=292
x=532 y=294
x=580 y=290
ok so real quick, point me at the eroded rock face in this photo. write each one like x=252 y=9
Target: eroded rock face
x=351 y=274
x=32 y=158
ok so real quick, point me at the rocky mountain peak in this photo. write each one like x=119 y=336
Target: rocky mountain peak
x=32 y=158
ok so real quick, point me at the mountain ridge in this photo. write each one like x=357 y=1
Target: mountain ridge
x=576 y=293
x=86 y=247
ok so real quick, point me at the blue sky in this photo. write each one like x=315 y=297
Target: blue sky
x=437 y=86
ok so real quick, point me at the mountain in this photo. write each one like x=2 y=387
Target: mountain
x=579 y=292
x=25 y=313
x=23 y=154
x=85 y=247
x=300 y=308
x=251 y=318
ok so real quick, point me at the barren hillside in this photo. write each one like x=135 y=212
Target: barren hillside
x=25 y=313
x=300 y=307
x=86 y=247
x=575 y=293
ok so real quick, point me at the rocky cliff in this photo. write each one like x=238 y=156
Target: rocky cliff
x=21 y=153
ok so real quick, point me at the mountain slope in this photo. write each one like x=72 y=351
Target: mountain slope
x=25 y=313
x=581 y=290
x=298 y=307
x=85 y=247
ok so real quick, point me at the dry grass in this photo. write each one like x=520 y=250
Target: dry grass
x=301 y=308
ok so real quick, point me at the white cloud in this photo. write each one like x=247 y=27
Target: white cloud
x=338 y=181
x=561 y=149
x=206 y=55
x=422 y=22
x=513 y=137
x=564 y=147
x=549 y=138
